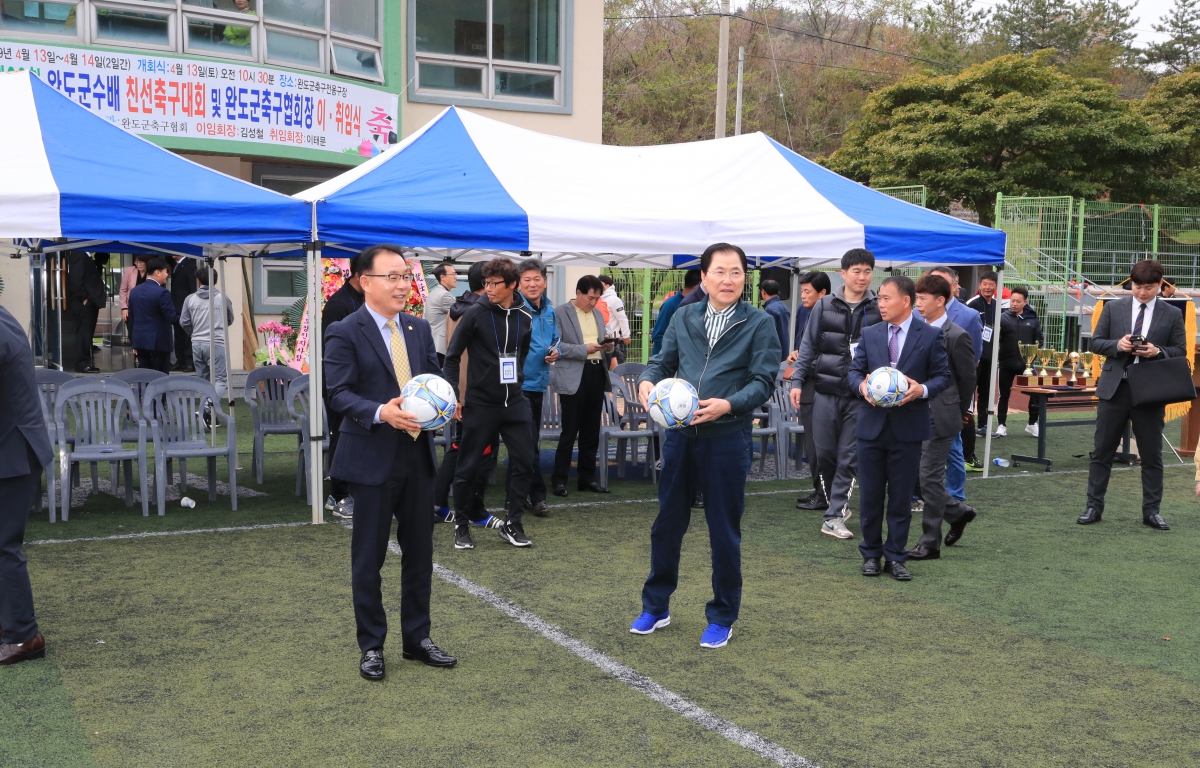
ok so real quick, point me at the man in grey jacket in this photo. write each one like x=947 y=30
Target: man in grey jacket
x=437 y=306
x=947 y=413
x=197 y=322
x=831 y=338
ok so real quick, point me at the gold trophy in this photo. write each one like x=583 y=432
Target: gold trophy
x=1028 y=352
x=1086 y=357
x=1059 y=359
x=1074 y=358
x=1045 y=356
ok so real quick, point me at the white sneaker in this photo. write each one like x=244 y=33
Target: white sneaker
x=837 y=529
x=1032 y=429
x=1001 y=431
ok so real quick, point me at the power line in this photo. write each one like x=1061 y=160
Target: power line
x=779 y=85
x=789 y=30
x=825 y=66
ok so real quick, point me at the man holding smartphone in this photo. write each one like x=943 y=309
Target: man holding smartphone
x=1131 y=330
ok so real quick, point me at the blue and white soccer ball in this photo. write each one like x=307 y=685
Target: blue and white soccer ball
x=673 y=403
x=886 y=387
x=431 y=399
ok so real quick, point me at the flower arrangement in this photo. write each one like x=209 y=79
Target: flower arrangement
x=279 y=349
x=420 y=291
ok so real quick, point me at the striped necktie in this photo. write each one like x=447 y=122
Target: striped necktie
x=400 y=362
x=1141 y=318
x=894 y=345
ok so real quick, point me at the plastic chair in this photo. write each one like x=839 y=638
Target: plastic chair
x=611 y=428
x=298 y=405
x=266 y=393
x=48 y=383
x=175 y=407
x=633 y=415
x=137 y=379
x=787 y=422
x=49 y=468
x=98 y=407
x=767 y=430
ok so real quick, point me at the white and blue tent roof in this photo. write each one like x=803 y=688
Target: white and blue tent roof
x=67 y=173
x=465 y=182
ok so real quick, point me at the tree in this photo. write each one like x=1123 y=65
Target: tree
x=1182 y=49
x=1026 y=26
x=949 y=30
x=1173 y=104
x=1014 y=125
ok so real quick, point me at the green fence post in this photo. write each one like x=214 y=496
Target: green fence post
x=1154 y=234
x=755 y=297
x=647 y=303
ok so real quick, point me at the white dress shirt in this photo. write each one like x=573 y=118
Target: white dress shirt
x=386 y=333
x=1137 y=306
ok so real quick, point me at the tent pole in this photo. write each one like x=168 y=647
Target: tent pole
x=316 y=432
x=225 y=335
x=795 y=307
x=647 y=326
x=212 y=340
x=993 y=384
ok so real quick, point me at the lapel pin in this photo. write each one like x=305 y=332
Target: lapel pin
x=410 y=327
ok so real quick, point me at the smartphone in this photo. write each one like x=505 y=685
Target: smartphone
x=1137 y=341
x=609 y=340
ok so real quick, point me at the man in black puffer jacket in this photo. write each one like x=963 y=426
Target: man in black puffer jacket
x=830 y=340
x=496 y=333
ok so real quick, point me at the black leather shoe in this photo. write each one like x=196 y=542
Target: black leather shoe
x=1156 y=522
x=698 y=502
x=897 y=570
x=870 y=566
x=371 y=666
x=87 y=369
x=814 y=502
x=560 y=490
x=922 y=552
x=430 y=654
x=541 y=509
x=958 y=526
x=1092 y=515
x=593 y=487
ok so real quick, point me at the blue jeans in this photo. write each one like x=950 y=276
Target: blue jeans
x=956 y=472
x=718 y=466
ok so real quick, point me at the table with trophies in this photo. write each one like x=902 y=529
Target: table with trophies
x=1065 y=382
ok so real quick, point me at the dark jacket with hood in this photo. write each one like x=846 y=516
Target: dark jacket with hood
x=831 y=329
x=483 y=332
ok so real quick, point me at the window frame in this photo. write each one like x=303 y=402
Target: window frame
x=216 y=16
x=267 y=304
x=294 y=30
x=345 y=43
x=170 y=10
x=563 y=89
x=82 y=27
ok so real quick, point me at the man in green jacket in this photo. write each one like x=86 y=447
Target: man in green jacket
x=730 y=353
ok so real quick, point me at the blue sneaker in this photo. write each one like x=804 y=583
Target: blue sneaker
x=491 y=521
x=442 y=515
x=715 y=636
x=648 y=622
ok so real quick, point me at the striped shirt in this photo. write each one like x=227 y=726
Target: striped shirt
x=715 y=322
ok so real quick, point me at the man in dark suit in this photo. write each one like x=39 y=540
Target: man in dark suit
x=153 y=315
x=948 y=412
x=86 y=296
x=1161 y=329
x=24 y=450
x=384 y=455
x=183 y=284
x=889 y=439
x=343 y=303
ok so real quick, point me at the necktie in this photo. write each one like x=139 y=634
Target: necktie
x=894 y=345
x=1137 y=326
x=400 y=362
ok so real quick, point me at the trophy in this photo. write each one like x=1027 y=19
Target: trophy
x=1059 y=359
x=1028 y=353
x=1074 y=358
x=1086 y=357
x=1045 y=356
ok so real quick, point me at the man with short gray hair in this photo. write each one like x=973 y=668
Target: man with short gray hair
x=437 y=306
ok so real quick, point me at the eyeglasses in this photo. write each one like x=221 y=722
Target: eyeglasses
x=721 y=274
x=493 y=283
x=394 y=279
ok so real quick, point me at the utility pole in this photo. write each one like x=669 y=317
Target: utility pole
x=723 y=69
x=737 y=109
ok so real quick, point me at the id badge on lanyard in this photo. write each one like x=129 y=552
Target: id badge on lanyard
x=508 y=368
x=853 y=350
x=987 y=333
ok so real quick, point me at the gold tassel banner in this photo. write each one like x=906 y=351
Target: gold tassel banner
x=1096 y=321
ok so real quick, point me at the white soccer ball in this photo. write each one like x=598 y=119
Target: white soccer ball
x=431 y=399
x=673 y=403
x=886 y=387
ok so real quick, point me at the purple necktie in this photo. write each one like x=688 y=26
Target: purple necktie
x=894 y=346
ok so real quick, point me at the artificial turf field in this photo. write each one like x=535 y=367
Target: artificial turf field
x=1033 y=642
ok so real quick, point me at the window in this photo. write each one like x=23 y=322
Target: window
x=503 y=54
x=338 y=36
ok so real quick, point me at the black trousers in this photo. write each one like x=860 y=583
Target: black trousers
x=85 y=331
x=16 y=594
x=183 y=346
x=480 y=426
x=154 y=359
x=1006 y=381
x=810 y=450
x=887 y=467
x=476 y=510
x=581 y=418
x=407 y=496
x=537 y=483
x=1111 y=418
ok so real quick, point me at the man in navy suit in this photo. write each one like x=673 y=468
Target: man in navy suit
x=384 y=455
x=24 y=450
x=889 y=439
x=153 y=315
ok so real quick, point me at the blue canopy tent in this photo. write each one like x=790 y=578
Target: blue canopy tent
x=75 y=181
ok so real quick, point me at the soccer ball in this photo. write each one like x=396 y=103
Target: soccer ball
x=431 y=399
x=886 y=387
x=673 y=403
